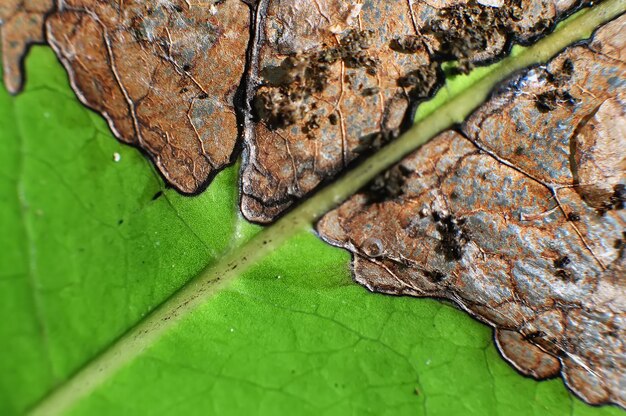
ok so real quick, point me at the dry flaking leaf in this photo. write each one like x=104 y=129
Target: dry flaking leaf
x=163 y=73
x=331 y=79
x=326 y=80
x=519 y=219
x=21 y=24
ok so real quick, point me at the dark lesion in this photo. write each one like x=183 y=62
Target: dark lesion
x=472 y=32
x=287 y=96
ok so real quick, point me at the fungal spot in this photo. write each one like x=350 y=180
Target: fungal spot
x=435 y=276
x=420 y=81
x=286 y=97
x=407 y=44
x=453 y=236
x=550 y=100
x=562 y=262
x=573 y=216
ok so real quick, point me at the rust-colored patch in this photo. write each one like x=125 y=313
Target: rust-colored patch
x=498 y=219
x=21 y=24
x=332 y=79
x=327 y=80
x=164 y=74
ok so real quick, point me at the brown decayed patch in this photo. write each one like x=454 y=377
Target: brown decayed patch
x=328 y=80
x=518 y=219
x=336 y=79
x=164 y=75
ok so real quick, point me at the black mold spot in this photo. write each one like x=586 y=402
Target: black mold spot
x=562 y=262
x=573 y=216
x=453 y=236
x=550 y=100
x=368 y=92
x=563 y=75
x=407 y=44
x=618 y=199
x=420 y=81
x=565 y=275
x=435 y=276
x=463 y=30
x=388 y=185
x=284 y=99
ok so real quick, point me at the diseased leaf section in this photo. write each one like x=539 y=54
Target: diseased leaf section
x=338 y=78
x=518 y=218
x=21 y=23
x=164 y=74
x=327 y=90
x=327 y=80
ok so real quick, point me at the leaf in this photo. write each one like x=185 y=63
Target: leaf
x=350 y=351
x=494 y=218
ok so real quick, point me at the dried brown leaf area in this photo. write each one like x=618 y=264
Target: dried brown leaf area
x=334 y=79
x=327 y=80
x=164 y=74
x=21 y=24
x=519 y=219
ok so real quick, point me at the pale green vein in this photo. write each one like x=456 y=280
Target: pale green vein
x=213 y=279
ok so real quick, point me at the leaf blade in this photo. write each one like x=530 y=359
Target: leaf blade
x=205 y=286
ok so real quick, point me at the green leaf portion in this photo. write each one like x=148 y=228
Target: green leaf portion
x=294 y=335
x=84 y=250
x=308 y=342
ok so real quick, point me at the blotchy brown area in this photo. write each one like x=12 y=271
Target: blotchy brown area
x=164 y=74
x=326 y=80
x=519 y=219
x=337 y=78
x=21 y=24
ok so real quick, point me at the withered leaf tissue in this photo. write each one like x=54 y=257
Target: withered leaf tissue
x=303 y=86
x=518 y=217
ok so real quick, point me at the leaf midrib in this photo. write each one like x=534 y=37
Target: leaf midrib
x=215 y=278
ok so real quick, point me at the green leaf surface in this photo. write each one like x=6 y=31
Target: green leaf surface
x=91 y=242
